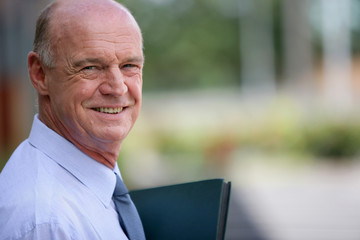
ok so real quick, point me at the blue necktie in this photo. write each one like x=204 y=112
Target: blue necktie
x=128 y=215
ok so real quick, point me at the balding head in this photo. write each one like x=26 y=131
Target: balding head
x=62 y=13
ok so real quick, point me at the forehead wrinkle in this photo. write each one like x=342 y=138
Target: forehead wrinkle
x=121 y=35
x=126 y=43
x=121 y=39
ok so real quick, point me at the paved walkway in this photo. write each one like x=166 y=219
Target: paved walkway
x=321 y=202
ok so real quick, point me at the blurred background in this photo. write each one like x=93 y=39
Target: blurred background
x=260 y=92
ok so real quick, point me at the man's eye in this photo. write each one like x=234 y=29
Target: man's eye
x=129 y=66
x=89 y=68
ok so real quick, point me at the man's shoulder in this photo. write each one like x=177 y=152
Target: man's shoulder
x=42 y=214
x=20 y=172
x=30 y=215
x=34 y=183
x=38 y=208
x=38 y=230
x=32 y=196
x=23 y=155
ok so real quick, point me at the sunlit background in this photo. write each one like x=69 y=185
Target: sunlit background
x=260 y=92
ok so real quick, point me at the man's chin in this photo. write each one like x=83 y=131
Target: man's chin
x=115 y=136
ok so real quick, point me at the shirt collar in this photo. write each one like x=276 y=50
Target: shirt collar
x=97 y=177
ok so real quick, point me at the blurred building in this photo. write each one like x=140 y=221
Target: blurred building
x=303 y=48
x=17 y=23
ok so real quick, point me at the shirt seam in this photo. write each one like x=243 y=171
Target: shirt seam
x=36 y=225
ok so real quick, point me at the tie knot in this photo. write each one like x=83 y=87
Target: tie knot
x=120 y=188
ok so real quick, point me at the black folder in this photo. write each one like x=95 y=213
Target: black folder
x=194 y=211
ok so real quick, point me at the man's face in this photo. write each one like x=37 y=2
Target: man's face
x=95 y=85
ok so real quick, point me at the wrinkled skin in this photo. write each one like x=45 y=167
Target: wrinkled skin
x=92 y=95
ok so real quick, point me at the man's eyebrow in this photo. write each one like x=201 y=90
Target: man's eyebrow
x=139 y=59
x=82 y=62
x=85 y=61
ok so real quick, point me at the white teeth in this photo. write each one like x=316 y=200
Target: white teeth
x=109 y=110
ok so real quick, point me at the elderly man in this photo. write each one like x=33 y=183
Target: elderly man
x=63 y=181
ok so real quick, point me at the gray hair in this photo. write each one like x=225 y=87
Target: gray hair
x=42 y=42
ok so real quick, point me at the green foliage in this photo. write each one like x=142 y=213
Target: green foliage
x=326 y=141
x=188 y=43
x=334 y=140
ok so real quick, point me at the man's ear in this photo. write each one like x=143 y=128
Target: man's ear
x=37 y=73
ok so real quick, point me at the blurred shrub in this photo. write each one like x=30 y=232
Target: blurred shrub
x=167 y=143
x=323 y=140
x=281 y=129
x=333 y=140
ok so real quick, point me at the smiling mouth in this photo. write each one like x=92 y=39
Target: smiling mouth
x=108 y=110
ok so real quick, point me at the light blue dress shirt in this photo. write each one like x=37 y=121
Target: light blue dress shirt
x=49 y=189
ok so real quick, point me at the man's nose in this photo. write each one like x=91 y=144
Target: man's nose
x=114 y=83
